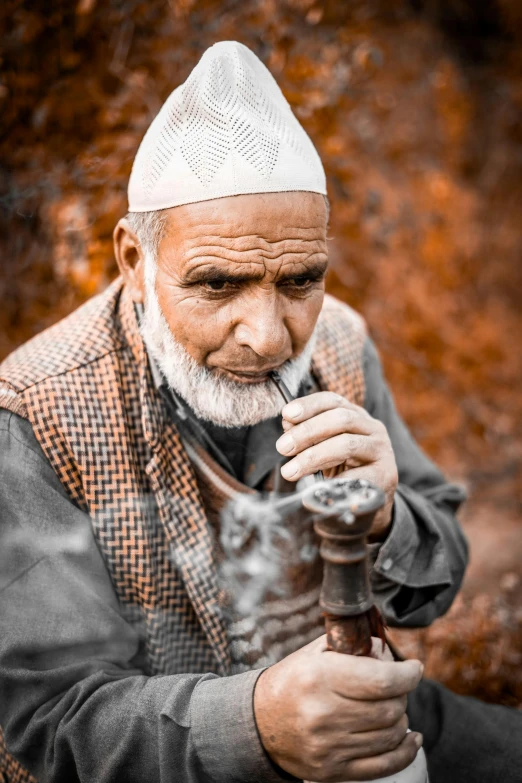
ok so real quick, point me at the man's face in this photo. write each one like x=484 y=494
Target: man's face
x=240 y=280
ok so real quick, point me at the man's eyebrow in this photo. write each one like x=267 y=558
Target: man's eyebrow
x=213 y=272
x=312 y=271
x=202 y=274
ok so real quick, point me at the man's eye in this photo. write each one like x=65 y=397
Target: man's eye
x=301 y=282
x=220 y=286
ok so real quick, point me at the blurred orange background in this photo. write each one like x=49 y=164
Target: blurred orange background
x=415 y=108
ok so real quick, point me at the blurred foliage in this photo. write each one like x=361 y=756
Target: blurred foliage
x=415 y=107
x=477 y=647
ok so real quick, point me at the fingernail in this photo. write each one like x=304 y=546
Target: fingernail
x=418 y=739
x=292 y=411
x=285 y=444
x=422 y=669
x=289 y=470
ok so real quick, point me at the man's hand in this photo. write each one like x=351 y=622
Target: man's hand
x=326 y=432
x=329 y=717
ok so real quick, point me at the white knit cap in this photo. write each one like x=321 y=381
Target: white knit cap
x=227 y=130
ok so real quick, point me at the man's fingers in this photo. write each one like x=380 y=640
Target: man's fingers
x=374 y=743
x=322 y=715
x=386 y=763
x=324 y=425
x=304 y=408
x=382 y=715
x=342 y=449
x=378 y=652
x=371 y=680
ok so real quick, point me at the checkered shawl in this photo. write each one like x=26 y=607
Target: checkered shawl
x=86 y=387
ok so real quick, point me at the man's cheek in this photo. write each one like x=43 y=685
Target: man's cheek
x=303 y=313
x=196 y=325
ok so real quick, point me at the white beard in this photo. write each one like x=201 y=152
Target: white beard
x=213 y=397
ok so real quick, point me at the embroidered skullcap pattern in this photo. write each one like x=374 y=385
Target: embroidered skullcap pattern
x=228 y=130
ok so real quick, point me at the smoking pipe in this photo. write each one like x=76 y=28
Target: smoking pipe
x=343 y=512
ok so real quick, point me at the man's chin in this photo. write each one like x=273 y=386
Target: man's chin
x=236 y=404
x=245 y=379
x=237 y=418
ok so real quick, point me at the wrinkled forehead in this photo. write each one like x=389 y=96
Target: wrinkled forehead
x=271 y=216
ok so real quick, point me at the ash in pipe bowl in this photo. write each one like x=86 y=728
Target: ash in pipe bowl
x=343 y=496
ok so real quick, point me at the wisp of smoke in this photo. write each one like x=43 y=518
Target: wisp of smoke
x=253 y=528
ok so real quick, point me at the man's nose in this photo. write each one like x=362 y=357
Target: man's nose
x=262 y=328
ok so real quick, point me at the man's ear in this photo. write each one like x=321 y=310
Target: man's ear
x=130 y=258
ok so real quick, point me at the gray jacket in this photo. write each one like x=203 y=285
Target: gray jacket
x=95 y=715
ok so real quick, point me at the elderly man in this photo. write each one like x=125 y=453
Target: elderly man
x=126 y=428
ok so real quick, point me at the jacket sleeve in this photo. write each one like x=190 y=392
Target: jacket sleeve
x=75 y=704
x=419 y=568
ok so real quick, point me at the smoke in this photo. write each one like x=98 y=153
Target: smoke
x=56 y=567
x=262 y=537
